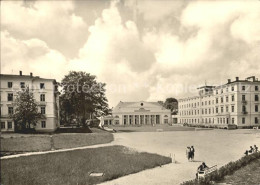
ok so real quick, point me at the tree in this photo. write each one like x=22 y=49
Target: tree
x=172 y=104
x=25 y=111
x=82 y=96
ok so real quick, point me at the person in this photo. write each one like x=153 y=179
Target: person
x=256 y=148
x=201 y=168
x=192 y=152
x=251 y=150
x=188 y=153
x=246 y=153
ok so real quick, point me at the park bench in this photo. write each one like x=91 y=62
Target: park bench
x=202 y=174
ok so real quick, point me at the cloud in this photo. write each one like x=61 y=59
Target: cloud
x=52 y=21
x=31 y=55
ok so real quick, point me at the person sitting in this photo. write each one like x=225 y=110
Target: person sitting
x=256 y=148
x=201 y=168
x=251 y=150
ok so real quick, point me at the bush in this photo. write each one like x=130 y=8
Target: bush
x=227 y=169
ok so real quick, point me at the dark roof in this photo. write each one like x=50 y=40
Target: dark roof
x=26 y=76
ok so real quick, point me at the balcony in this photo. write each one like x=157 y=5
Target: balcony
x=244 y=102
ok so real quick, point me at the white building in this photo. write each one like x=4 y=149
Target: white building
x=140 y=113
x=236 y=102
x=45 y=93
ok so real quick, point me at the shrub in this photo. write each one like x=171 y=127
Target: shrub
x=227 y=169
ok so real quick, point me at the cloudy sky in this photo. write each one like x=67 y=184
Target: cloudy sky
x=143 y=50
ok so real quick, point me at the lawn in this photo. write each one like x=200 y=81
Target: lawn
x=150 y=128
x=246 y=175
x=32 y=143
x=74 y=167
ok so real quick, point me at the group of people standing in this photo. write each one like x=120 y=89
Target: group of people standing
x=190 y=151
x=251 y=150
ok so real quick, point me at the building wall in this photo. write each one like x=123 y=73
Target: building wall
x=50 y=103
x=219 y=102
x=133 y=113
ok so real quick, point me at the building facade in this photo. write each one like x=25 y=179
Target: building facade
x=140 y=113
x=236 y=103
x=45 y=93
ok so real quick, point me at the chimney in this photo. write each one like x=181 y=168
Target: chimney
x=21 y=73
x=237 y=79
x=229 y=81
x=253 y=78
x=31 y=74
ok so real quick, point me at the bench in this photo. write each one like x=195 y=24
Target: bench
x=202 y=174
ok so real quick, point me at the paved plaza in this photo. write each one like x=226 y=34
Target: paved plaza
x=215 y=147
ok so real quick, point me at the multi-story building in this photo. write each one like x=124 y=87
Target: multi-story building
x=236 y=103
x=45 y=93
x=140 y=113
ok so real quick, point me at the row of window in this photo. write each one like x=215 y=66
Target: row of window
x=243 y=88
x=22 y=85
x=10 y=125
x=208 y=111
x=217 y=101
x=10 y=97
x=11 y=110
x=219 y=120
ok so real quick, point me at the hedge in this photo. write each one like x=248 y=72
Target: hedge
x=227 y=169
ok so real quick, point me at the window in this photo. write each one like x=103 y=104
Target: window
x=166 y=121
x=42 y=110
x=205 y=103
x=22 y=85
x=222 y=100
x=256 y=88
x=2 y=125
x=10 y=84
x=10 y=110
x=233 y=108
x=256 y=98
x=222 y=109
x=209 y=111
x=256 y=108
x=233 y=98
x=43 y=124
x=256 y=120
x=243 y=120
x=226 y=98
x=243 y=88
x=216 y=91
x=244 y=108
x=42 y=86
x=216 y=110
x=243 y=97
x=202 y=103
x=9 y=124
x=226 y=108
x=209 y=102
x=216 y=100
x=42 y=97
x=227 y=89
x=205 y=111
x=233 y=120
x=221 y=91
x=10 y=96
x=232 y=88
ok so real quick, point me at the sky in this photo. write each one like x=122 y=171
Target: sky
x=144 y=50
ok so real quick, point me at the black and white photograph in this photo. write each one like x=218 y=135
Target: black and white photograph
x=130 y=92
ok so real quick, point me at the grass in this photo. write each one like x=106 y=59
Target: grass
x=33 y=143
x=150 y=128
x=77 y=140
x=246 y=175
x=74 y=167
